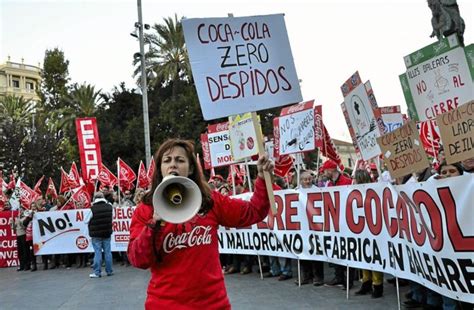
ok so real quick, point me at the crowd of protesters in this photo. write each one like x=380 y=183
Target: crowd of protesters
x=22 y=225
x=312 y=272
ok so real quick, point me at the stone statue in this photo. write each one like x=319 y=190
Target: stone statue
x=446 y=19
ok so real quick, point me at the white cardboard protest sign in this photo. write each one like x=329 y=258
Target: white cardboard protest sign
x=438 y=79
x=216 y=146
x=243 y=136
x=241 y=64
x=392 y=117
x=359 y=113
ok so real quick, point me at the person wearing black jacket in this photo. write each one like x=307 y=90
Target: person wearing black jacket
x=100 y=230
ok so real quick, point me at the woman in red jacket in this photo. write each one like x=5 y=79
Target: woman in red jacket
x=184 y=258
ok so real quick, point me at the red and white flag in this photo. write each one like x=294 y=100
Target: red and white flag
x=151 y=169
x=80 y=199
x=74 y=178
x=106 y=177
x=126 y=175
x=51 y=190
x=143 y=181
x=27 y=195
x=329 y=149
x=283 y=165
x=64 y=186
x=37 y=186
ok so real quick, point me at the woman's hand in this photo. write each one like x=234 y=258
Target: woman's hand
x=264 y=164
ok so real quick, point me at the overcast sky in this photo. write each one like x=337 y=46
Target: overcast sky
x=330 y=39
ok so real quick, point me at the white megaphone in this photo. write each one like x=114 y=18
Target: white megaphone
x=177 y=199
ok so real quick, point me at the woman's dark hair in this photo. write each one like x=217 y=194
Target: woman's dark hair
x=457 y=165
x=362 y=176
x=197 y=176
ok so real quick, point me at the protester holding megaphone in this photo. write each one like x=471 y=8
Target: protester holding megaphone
x=184 y=257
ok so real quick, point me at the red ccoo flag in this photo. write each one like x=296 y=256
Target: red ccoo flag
x=51 y=190
x=106 y=177
x=126 y=174
x=329 y=149
x=151 y=170
x=80 y=199
x=143 y=181
x=27 y=195
x=74 y=179
x=64 y=186
x=37 y=186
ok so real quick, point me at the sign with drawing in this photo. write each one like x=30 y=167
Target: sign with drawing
x=359 y=113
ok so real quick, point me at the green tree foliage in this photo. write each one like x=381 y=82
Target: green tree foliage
x=54 y=79
x=27 y=145
x=167 y=59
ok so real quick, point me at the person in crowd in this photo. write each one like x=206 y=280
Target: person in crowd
x=138 y=197
x=187 y=274
x=28 y=223
x=127 y=199
x=374 y=173
x=56 y=259
x=468 y=165
x=280 y=266
x=20 y=229
x=100 y=230
x=372 y=281
x=312 y=271
x=446 y=170
x=336 y=178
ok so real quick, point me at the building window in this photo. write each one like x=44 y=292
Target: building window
x=16 y=83
x=349 y=161
x=30 y=86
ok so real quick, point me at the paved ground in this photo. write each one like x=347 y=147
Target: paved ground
x=72 y=289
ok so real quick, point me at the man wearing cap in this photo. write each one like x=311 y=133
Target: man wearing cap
x=100 y=229
x=336 y=178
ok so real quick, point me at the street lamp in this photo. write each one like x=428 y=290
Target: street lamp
x=139 y=25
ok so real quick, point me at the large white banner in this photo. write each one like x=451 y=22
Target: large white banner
x=241 y=64
x=57 y=232
x=422 y=232
x=418 y=231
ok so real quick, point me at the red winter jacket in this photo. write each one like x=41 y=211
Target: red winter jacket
x=341 y=180
x=187 y=272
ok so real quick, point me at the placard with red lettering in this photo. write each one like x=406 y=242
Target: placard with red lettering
x=216 y=146
x=418 y=231
x=402 y=150
x=8 y=244
x=241 y=64
x=89 y=147
x=456 y=128
x=438 y=78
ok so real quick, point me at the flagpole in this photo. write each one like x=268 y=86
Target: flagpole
x=247 y=169
x=118 y=179
x=233 y=179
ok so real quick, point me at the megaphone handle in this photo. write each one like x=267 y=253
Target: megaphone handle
x=261 y=152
